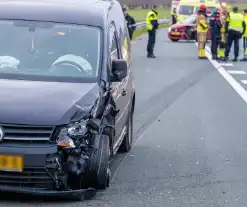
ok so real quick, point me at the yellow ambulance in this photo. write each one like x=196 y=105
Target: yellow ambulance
x=188 y=7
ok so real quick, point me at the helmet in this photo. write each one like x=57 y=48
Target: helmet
x=218 y=9
x=224 y=5
x=203 y=8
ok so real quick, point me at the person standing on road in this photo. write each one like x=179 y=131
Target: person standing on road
x=152 y=25
x=222 y=46
x=245 y=37
x=131 y=23
x=174 y=16
x=235 y=27
x=202 y=30
x=215 y=26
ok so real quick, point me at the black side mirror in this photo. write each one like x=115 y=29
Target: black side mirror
x=119 y=70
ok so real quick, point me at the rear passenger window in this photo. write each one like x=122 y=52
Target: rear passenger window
x=114 y=44
x=125 y=47
x=113 y=47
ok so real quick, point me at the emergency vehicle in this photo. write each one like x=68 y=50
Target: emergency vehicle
x=188 y=7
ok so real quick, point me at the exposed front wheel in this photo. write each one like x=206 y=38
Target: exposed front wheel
x=128 y=138
x=99 y=170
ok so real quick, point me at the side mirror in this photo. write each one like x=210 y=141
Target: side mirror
x=119 y=70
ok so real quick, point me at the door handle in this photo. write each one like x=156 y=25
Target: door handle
x=124 y=92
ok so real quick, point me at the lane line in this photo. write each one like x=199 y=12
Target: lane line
x=237 y=72
x=226 y=64
x=244 y=81
x=235 y=85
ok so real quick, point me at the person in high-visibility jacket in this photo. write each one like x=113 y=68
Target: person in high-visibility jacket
x=152 y=25
x=245 y=37
x=235 y=27
x=221 y=49
x=202 y=30
x=174 y=16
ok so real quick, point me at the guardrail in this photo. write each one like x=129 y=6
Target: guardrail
x=140 y=25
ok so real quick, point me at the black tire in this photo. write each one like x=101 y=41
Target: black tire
x=99 y=170
x=127 y=142
x=174 y=40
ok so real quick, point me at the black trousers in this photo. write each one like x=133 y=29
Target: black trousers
x=245 y=47
x=215 y=42
x=233 y=37
x=151 y=41
x=131 y=31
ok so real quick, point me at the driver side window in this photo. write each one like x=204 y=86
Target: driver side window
x=113 y=46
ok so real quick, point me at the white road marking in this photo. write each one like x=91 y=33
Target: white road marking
x=226 y=64
x=244 y=81
x=235 y=85
x=237 y=72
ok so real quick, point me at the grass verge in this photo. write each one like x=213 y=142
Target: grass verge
x=241 y=6
x=140 y=15
x=143 y=30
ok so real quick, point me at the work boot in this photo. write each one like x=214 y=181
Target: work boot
x=235 y=59
x=225 y=59
x=215 y=57
x=243 y=59
x=151 y=56
x=221 y=58
x=202 y=58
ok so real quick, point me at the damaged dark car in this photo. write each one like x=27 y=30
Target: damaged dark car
x=67 y=95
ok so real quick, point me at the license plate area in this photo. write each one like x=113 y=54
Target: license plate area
x=11 y=163
x=175 y=33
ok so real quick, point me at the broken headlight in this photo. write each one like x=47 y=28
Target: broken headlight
x=78 y=129
x=72 y=132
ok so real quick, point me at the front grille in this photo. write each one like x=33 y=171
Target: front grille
x=30 y=178
x=27 y=132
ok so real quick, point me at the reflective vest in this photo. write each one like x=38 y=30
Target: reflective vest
x=223 y=22
x=245 y=20
x=150 y=16
x=236 y=22
x=201 y=23
x=174 y=14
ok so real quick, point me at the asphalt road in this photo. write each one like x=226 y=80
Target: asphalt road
x=190 y=126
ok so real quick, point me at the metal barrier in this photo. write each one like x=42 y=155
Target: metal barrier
x=140 y=25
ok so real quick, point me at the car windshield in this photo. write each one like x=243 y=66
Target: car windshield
x=190 y=20
x=212 y=9
x=32 y=50
x=186 y=10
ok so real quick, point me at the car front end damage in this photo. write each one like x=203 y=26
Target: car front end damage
x=182 y=32
x=64 y=163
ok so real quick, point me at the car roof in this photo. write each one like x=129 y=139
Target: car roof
x=88 y=12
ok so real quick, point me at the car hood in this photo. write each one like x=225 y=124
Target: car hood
x=44 y=103
x=179 y=25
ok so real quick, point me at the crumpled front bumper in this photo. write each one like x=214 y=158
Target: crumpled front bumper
x=84 y=194
x=34 y=179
